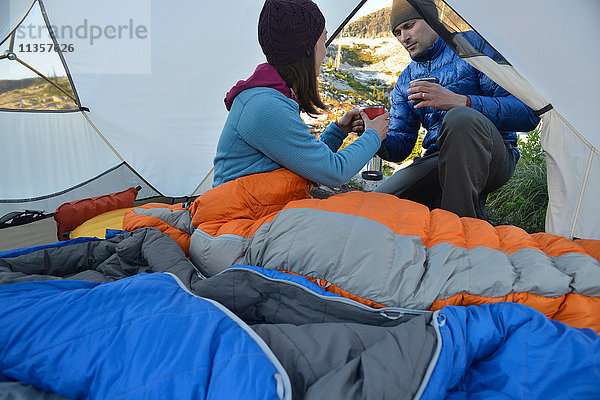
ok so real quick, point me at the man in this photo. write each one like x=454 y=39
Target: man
x=470 y=121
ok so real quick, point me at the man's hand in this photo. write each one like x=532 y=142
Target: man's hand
x=352 y=122
x=435 y=95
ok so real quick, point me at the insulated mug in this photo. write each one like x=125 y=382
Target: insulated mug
x=373 y=111
x=374 y=167
x=431 y=79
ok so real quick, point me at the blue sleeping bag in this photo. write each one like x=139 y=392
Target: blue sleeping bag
x=140 y=337
x=147 y=337
x=511 y=351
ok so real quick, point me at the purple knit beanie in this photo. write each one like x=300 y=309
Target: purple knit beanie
x=289 y=29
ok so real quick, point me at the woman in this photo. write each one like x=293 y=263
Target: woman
x=264 y=130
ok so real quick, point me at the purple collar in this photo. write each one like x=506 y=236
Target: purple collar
x=265 y=75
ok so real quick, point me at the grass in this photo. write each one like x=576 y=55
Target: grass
x=47 y=90
x=354 y=84
x=359 y=55
x=523 y=200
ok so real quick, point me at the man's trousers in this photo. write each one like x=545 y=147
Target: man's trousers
x=473 y=160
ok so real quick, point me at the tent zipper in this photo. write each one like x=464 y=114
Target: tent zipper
x=438 y=321
x=389 y=312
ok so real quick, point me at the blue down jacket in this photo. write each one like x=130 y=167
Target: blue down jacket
x=506 y=112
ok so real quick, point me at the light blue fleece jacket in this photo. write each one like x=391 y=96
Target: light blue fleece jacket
x=264 y=132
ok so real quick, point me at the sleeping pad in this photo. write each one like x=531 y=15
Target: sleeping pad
x=132 y=318
x=381 y=250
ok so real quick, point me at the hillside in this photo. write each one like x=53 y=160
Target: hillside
x=8 y=85
x=374 y=25
x=361 y=67
x=377 y=24
x=35 y=94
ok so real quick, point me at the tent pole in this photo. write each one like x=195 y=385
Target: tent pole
x=102 y=136
x=343 y=24
x=203 y=180
x=44 y=77
x=11 y=45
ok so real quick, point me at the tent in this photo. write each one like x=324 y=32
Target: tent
x=540 y=68
x=147 y=80
x=315 y=311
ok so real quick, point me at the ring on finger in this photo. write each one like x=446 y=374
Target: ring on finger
x=423 y=94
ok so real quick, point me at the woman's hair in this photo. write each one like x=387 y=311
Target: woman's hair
x=301 y=76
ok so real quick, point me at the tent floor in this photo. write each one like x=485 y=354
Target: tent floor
x=32 y=234
x=44 y=231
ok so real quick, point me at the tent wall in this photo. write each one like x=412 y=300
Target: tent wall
x=11 y=13
x=48 y=156
x=554 y=49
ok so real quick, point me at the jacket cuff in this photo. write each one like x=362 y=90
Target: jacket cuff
x=339 y=132
x=476 y=103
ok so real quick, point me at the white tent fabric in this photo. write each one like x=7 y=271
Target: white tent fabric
x=11 y=13
x=554 y=48
x=71 y=139
x=33 y=173
x=50 y=157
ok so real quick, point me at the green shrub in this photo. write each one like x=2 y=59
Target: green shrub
x=359 y=55
x=523 y=200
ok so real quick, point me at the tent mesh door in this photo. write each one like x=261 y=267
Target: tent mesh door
x=455 y=31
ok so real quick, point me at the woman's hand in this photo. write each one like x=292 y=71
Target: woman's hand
x=352 y=122
x=381 y=123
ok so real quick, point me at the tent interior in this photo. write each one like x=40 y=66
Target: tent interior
x=141 y=93
x=358 y=295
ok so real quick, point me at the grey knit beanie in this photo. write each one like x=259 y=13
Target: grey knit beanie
x=402 y=11
x=289 y=29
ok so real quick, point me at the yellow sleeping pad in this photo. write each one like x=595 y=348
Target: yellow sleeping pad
x=97 y=226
